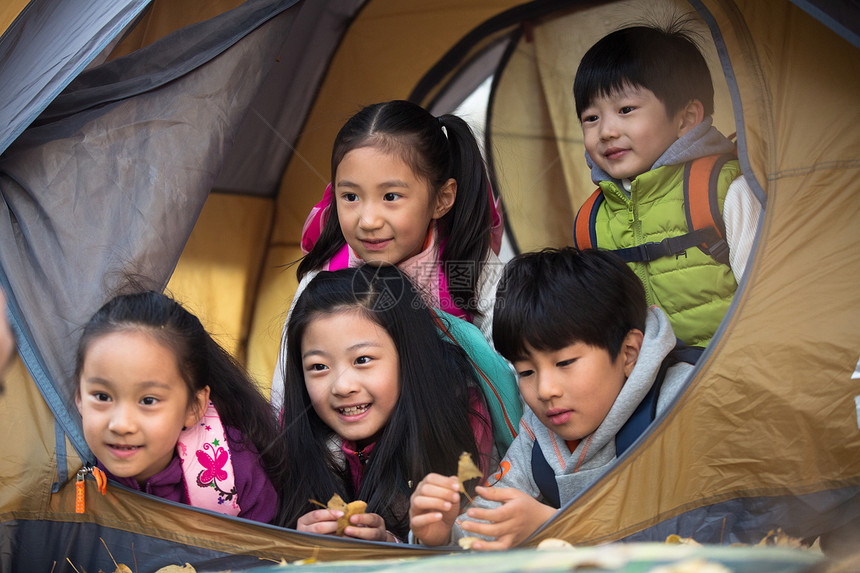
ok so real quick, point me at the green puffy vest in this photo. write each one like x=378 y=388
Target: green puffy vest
x=692 y=288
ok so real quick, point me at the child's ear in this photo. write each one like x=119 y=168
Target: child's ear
x=630 y=349
x=445 y=198
x=78 y=400
x=690 y=116
x=197 y=407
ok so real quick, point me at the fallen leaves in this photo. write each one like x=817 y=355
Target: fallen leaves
x=187 y=568
x=780 y=538
x=552 y=543
x=675 y=539
x=336 y=503
x=467 y=470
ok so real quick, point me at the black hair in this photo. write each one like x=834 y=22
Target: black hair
x=416 y=136
x=665 y=61
x=556 y=297
x=429 y=427
x=201 y=362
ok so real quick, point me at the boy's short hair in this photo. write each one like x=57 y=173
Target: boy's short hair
x=667 y=62
x=557 y=297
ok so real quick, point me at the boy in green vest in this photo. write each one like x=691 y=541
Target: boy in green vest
x=645 y=99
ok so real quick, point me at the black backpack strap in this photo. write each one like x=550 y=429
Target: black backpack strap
x=668 y=247
x=544 y=477
x=647 y=409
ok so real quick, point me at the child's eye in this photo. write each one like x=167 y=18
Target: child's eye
x=525 y=373
x=350 y=197
x=588 y=118
x=564 y=363
x=317 y=367
x=391 y=196
x=626 y=109
x=363 y=360
x=149 y=401
x=101 y=397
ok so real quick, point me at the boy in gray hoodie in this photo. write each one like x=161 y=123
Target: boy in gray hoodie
x=587 y=351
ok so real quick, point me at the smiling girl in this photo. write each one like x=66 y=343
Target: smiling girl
x=374 y=399
x=167 y=411
x=412 y=190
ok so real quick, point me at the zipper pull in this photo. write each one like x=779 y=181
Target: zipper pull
x=80 y=485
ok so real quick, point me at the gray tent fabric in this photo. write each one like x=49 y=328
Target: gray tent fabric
x=158 y=64
x=265 y=141
x=46 y=47
x=135 y=174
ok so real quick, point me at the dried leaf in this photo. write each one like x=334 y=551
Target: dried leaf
x=336 y=503
x=187 y=568
x=554 y=543
x=122 y=568
x=780 y=538
x=356 y=507
x=675 y=539
x=466 y=470
x=466 y=542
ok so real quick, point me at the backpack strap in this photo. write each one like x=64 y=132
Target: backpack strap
x=495 y=377
x=584 y=233
x=701 y=205
x=544 y=477
x=647 y=409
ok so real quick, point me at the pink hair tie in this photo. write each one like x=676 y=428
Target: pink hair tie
x=315 y=222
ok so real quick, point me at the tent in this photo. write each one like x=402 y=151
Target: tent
x=185 y=142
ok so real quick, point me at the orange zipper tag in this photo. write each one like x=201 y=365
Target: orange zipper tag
x=80 y=486
x=80 y=506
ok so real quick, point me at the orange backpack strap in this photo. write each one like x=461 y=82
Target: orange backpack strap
x=702 y=207
x=584 y=233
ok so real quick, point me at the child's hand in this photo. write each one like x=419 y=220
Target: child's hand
x=322 y=521
x=368 y=526
x=433 y=508
x=511 y=523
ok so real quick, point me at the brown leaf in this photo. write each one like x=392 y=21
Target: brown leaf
x=466 y=470
x=675 y=539
x=187 y=568
x=356 y=507
x=336 y=503
x=780 y=538
x=122 y=568
x=554 y=543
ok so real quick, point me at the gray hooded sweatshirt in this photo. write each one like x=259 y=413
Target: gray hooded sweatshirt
x=599 y=448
